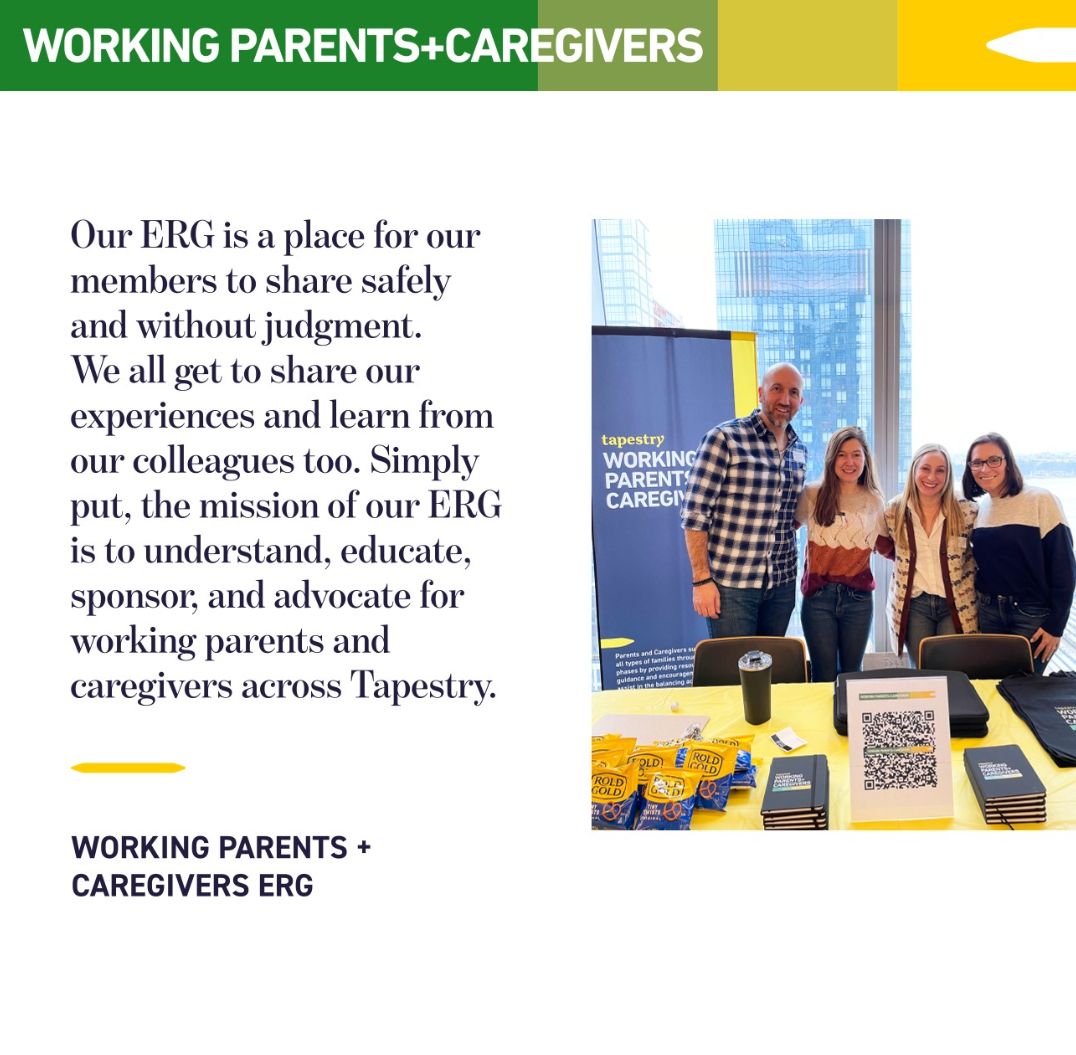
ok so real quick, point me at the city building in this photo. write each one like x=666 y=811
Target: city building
x=622 y=276
x=806 y=288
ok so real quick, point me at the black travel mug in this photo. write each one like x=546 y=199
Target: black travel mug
x=755 y=686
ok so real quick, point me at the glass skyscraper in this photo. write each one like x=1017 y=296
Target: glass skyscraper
x=623 y=259
x=806 y=288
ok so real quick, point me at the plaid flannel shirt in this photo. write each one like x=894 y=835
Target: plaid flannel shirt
x=743 y=492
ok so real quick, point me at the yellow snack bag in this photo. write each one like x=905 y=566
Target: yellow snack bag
x=614 y=796
x=744 y=777
x=715 y=762
x=612 y=752
x=651 y=758
x=669 y=801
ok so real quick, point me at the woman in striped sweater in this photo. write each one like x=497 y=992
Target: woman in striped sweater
x=844 y=514
x=932 y=590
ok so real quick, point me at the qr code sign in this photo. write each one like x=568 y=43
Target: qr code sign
x=898 y=750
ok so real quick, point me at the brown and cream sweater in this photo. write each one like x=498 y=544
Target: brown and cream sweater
x=841 y=552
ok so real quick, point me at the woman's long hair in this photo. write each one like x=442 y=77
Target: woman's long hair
x=1014 y=479
x=950 y=507
x=829 y=494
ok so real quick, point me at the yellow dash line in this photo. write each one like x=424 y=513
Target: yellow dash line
x=616 y=642
x=127 y=767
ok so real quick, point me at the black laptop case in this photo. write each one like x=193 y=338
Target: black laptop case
x=967 y=712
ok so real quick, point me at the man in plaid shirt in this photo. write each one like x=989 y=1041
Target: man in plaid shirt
x=738 y=512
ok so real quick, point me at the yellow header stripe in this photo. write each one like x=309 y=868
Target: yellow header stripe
x=127 y=767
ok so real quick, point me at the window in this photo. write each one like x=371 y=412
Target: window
x=997 y=342
x=807 y=287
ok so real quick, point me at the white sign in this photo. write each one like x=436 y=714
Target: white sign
x=899 y=761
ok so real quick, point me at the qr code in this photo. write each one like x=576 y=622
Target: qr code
x=895 y=750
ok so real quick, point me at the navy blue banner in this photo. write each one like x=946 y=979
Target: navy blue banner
x=656 y=393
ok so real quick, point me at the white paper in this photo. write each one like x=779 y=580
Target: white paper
x=459 y=917
x=900 y=766
x=786 y=740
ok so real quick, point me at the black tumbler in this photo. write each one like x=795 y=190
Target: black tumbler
x=755 y=685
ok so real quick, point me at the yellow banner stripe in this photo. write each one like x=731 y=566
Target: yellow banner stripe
x=744 y=374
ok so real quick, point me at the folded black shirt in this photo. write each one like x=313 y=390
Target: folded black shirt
x=1048 y=706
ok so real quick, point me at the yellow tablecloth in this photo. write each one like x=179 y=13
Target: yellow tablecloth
x=808 y=709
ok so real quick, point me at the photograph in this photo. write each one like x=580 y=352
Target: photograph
x=798 y=534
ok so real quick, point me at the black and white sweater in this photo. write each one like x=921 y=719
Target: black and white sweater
x=1023 y=549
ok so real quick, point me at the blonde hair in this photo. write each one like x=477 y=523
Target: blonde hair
x=950 y=506
x=829 y=493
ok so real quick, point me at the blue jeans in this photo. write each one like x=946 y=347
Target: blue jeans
x=762 y=610
x=1006 y=615
x=837 y=624
x=928 y=616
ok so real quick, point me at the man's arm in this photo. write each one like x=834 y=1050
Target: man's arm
x=706 y=599
x=703 y=485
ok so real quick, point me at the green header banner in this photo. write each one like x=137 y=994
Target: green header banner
x=415 y=45
x=542 y=45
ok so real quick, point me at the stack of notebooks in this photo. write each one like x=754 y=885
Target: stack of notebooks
x=797 y=793
x=1008 y=790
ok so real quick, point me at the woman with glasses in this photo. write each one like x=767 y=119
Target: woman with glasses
x=844 y=514
x=1023 y=549
x=932 y=590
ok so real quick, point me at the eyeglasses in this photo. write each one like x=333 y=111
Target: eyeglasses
x=977 y=465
